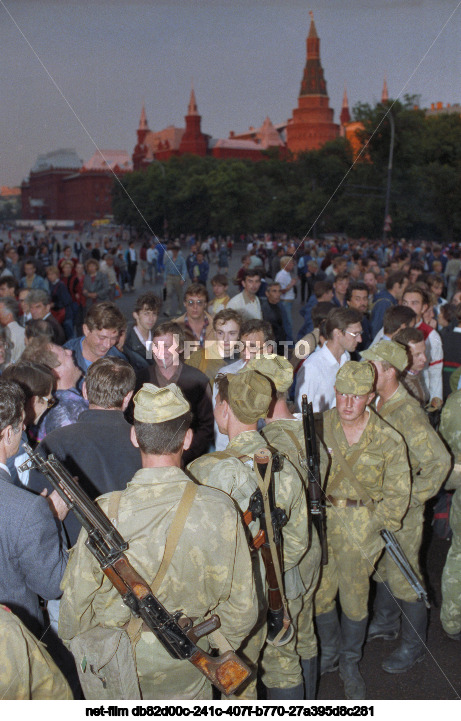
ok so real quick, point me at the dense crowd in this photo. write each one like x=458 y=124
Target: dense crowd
x=211 y=368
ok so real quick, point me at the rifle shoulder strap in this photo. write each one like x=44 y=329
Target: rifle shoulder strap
x=347 y=469
x=174 y=533
x=263 y=485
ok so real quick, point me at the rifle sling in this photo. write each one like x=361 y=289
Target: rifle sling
x=134 y=626
x=263 y=485
x=346 y=467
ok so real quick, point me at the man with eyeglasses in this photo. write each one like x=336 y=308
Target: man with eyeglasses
x=316 y=377
x=196 y=322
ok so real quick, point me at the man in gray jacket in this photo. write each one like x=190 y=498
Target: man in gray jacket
x=31 y=555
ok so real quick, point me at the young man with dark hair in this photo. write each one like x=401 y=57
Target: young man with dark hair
x=146 y=510
x=31 y=280
x=247 y=302
x=8 y=287
x=273 y=314
x=395 y=285
x=137 y=346
x=168 y=367
x=418 y=299
x=103 y=325
x=315 y=378
x=220 y=285
x=196 y=322
x=412 y=379
x=340 y=286
x=40 y=305
x=357 y=297
x=223 y=348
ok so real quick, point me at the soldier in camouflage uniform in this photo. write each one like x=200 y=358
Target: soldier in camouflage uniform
x=210 y=570
x=429 y=463
x=450 y=613
x=242 y=399
x=368 y=489
x=284 y=432
x=27 y=671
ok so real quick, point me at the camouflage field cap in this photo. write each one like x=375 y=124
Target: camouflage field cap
x=250 y=395
x=277 y=368
x=156 y=405
x=356 y=378
x=390 y=351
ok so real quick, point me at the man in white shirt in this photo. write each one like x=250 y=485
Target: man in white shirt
x=287 y=283
x=247 y=302
x=316 y=377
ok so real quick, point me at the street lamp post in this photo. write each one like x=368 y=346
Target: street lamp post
x=389 y=172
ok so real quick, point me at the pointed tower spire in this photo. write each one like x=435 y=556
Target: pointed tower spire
x=192 y=108
x=313 y=82
x=139 y=152
x=143 y=119
x=193 y=140
x=345 y=116
x=313 y=42
x=385 y=94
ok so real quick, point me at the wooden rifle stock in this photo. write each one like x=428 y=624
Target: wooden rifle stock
x=174 y=631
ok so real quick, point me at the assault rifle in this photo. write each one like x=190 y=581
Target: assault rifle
x=175 y=631
x=277 y=615
x=314 y=485
x=395 y=551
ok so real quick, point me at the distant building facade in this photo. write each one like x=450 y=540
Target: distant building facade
x=61 y=187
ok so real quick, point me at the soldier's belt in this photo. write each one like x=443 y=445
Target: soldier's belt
x=344 y=502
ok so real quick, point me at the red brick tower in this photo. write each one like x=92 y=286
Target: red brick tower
x=139 y=152
x=312 y=124
x=193 y=141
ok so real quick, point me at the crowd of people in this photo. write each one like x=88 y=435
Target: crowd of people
x=166 y=414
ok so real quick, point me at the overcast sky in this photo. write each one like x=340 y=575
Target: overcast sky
x=76 y=72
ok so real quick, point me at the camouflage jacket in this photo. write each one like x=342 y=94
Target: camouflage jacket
x=379 y=463
x=210 y=571
x=27 y=671
x=429 y=459
x=237 y=478
x=450 y=430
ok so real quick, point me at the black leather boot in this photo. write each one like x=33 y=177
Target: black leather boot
x=352 y=639
x=329 y=633
x=310 y=677
x=412 y=647
x=295 y=693
x=386 y=615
